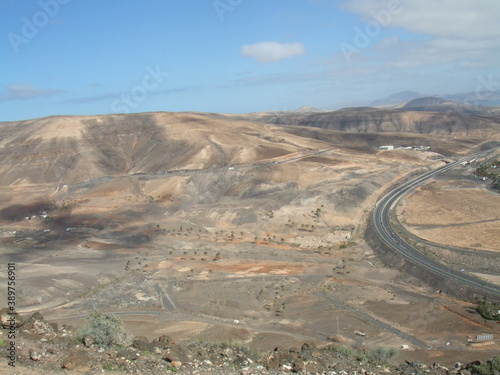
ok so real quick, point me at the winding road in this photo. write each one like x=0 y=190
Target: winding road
x=381 y=224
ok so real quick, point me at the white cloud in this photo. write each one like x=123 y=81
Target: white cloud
x=454 y=29
x=26 y=92
x=266 y=52
x=388 y=43
x=448 y=19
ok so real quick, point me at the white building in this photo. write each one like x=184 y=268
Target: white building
x=386 y=147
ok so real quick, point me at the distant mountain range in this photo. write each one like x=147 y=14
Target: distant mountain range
x=397 y=98
x=484 y=103
x=468 y=98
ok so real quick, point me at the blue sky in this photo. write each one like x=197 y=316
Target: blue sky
x=76 y=57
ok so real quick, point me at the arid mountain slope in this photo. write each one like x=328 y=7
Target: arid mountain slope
x=69 y=149
x=372 y=120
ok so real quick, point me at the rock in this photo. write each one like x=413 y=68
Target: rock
x=112 y=354
x=35 y=355
x=286 y=367
x=121 y=361
x=129 y=354
x=273 y=362
x=278 y=357
x=88 y=341
x=36 y=325
x=305 y=347
x=242 y=361
x=293 y=356
x=313 y=366
x=298 y=365
x=142 y=344
x=228 y=353
x=6 y=318
x=177 y=354
x=316 y=354
x=78 y=360
x=163 y=341
x=336 y=338
x=176 y=364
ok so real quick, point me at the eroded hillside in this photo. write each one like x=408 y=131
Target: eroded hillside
x=443 y=122
x=210 y=227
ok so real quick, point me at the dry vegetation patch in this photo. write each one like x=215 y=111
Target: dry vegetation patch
x=444 y=212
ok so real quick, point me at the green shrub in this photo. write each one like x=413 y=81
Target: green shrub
x=488 y=310
x=347 y=351
x=361 y=356
x=491 y=367
x=105 y=329
x=381 y=355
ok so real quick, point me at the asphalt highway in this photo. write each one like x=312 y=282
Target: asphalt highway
x=381 y=223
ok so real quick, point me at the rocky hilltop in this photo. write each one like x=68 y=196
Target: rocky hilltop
x=47 y=348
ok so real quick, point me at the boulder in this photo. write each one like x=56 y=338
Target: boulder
x=88 y=341
x=77 y=360
x=6 y=318
x=277 y=359
x=163 y=342
x=35 y=355
x=142 y=344
x=177 y=354
x=37 y=326
x=298 y=365
x=176 y=364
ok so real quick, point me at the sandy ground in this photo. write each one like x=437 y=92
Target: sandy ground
x=455 y=212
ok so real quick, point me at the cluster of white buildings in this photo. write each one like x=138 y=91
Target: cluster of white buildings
x=41 y=214
x=414 y=148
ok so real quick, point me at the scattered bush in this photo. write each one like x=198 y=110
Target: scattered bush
x=378 y=355
x=106 y=330
x=347 y=351
x=490 y=367
x=488 y=310
x=381 y=355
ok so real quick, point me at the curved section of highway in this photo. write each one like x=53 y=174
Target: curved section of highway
x=381 y=224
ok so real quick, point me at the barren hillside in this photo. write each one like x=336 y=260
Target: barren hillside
x=212 y=227
x=443 y=122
